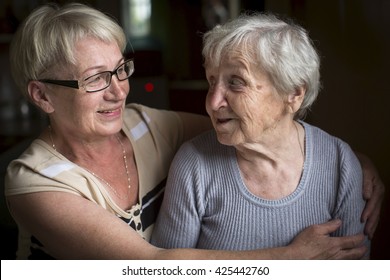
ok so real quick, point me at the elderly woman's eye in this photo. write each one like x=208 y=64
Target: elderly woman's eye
x=236 y=82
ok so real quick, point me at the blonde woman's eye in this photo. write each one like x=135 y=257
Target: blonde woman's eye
x=120 y=70
x=95 y=79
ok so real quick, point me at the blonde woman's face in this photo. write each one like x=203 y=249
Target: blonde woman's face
x=94 y=114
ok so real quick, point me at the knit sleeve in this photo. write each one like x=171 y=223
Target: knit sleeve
x=350 y=202
x=179 y=221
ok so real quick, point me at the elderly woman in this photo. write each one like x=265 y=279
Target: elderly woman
x=90 y=185
x=263 y=174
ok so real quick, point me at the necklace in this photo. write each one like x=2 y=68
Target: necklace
x=300 y=144
x=101 y=179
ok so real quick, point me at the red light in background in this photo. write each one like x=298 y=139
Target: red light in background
x=149 y=87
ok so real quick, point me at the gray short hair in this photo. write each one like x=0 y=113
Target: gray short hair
x=47 y=37
x=283 y=50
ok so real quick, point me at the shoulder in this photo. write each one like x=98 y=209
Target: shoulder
x=323 y=144
x=323 y=138
x=35 y=169
x=203 y=148
x=204 y=143
x=36 y=156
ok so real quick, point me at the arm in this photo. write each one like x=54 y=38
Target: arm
x=68 y=226
x=373 y=193
x=350 y=203
x=179 y=221
x=312 y=243
x=72 y=227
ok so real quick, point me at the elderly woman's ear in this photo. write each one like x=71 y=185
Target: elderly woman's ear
x=37 y=94
x=295 y=99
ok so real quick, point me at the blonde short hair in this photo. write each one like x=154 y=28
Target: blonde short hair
x=45 y=40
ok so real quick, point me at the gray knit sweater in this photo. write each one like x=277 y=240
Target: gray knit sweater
x=207 y=204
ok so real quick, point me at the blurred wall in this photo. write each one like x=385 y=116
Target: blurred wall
x=352 y=36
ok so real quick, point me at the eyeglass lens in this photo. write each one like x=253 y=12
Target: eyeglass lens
x=102 y=80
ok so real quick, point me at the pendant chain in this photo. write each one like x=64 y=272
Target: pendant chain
x=101 y=179
x=300 y=145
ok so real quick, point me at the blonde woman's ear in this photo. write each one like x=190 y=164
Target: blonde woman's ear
x=37 y=94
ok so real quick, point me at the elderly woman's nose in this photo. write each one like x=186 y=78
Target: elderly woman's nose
x=217 y=96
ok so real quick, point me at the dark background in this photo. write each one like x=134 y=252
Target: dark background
x=352 y=36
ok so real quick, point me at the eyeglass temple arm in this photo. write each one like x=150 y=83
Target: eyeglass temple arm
x=71 y=84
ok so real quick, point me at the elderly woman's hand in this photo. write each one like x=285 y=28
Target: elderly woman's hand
x=373 y=193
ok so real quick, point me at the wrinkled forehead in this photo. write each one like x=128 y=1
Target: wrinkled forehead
x=243 y=54
x=239 y=51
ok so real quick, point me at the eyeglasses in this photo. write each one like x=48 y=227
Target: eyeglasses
x=98 y=81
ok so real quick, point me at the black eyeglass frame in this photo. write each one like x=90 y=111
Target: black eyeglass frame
x=75 y=84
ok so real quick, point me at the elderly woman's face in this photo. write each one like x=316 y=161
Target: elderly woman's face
x=243 y=104
x=91 y=114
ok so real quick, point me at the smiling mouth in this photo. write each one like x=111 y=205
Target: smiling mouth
x=222 y=121
x=107 y=111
